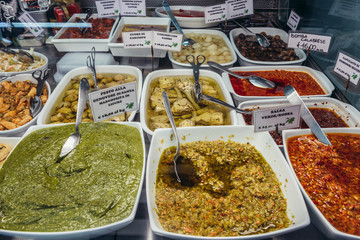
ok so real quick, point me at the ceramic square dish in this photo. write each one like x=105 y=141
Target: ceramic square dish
x=318 y=76
x=90 y=232
x=177 y=64
x=117 y=49
x=50 y=106
x=317 y=218
x=145 y=98
x=262 y=141
x=243 y=61
x=81 y=44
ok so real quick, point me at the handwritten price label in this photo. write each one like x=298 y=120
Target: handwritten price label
x=313 y=42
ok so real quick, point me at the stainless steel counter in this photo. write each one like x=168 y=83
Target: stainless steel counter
x=140 y=228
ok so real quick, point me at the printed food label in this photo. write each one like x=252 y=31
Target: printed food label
x=30 y=24
x=137 y=39
x=239 y=8
x=307 y=41
x=284 y=117
x=110 y=102
x=348 y=67
x=216 y=13
x=293 y=21
x=167 y=41
x=107 y=8
x=133 y=7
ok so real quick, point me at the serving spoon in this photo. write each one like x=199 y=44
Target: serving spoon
x=254 y=80
x=186 y=41
x=181 y=165
x=74 y=138
x=262 y=40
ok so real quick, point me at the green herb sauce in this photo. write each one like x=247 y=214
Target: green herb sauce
x=95 y=185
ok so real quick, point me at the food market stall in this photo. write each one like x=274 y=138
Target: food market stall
x=153 y=216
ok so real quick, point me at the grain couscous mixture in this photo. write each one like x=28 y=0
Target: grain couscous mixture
x=235 y=192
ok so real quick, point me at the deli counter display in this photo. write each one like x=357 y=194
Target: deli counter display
x=179 y=120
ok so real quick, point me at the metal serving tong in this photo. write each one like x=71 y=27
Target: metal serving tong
x=23 y=56
x=35 y=102
x=90 y=62
x=200 y=59
x=84 y=21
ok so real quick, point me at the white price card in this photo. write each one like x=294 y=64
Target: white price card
x=284 y=117
x=31 y=24
x=137 y=39
x=113 y=101
x=107 y=8
x=167 y=41
x=293 y=21
x=313 y=42
x=239 y=8
x=348 y=67
x=216 y=13
x=133 y=7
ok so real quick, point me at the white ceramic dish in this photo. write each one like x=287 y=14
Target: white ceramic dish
x=81 y=44
x=243 y=61
x=317 y=218
x=348 y=113
x=262 y=141
x=20 y=130
x=180 y=65
x=178 y=72
x=117 y=49
x=44 y=116
x=36 y=55
x=91 y=232
x=187 y=22
x=319 y=77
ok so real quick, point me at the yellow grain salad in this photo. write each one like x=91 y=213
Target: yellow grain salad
x=235 y=192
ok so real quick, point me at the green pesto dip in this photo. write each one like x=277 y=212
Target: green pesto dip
x=94 y=185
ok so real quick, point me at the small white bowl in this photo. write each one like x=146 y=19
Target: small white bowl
x=262 y=141
x=243 y=61
x=187 y=22
x=180 y=65
x=49 y=108
x=117 y=49
x=317 y=218
x=20 y=130
x=319 y=77
x=36 y=55
x=145 y=98
x=91 y=232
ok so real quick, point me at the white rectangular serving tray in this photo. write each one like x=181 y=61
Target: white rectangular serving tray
x=44 y=116
x=117 y=49
x=319 y=77
x=82 y=44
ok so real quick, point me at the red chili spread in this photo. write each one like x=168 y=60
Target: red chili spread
x=100 y=29
x=331 y=176
x=301 y=81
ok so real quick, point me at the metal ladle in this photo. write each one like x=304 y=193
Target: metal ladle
x=74 y=139
x=186 y=41
x=263 y=41
x=181 y=165
x=254 y=80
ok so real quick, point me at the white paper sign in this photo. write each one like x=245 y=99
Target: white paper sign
x=348 y=67
x=284 y=117
x=107 y=8
x=167 y=41
x=110 y=102
x=216 y=13
x=31 y=24
x=293 y=21
x=314 y=42
x=348 y=9
x=239 y=8
x=137 y=39
x=132 y=8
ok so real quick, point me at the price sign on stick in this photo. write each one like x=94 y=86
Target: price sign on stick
x=107 y=8
x=293 y=21
x=137 y=39
x=308 y=41
x=30 y=24
x=348 y=67
x=167 y=41
x=133 y=7
x=239 y=8
x=216 y=13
